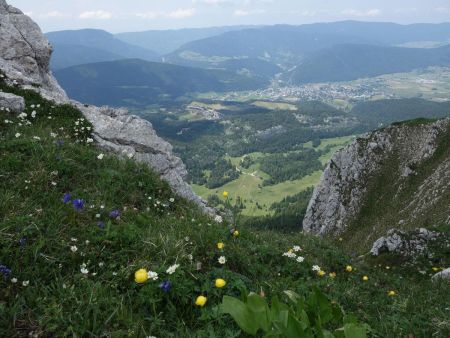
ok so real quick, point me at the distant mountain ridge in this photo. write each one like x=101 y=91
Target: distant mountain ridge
x=74 y=47
x=350 y=61
x=138 y=83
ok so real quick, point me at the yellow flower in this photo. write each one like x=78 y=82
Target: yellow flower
x=332 y=274
x=225 y=194
x=365 y=278
x=220 y=283
x=348 y=268
x=320 y=273
x=290 y=251
x=220 y=245
x=201 y=301
x=236 y=233
x=435 y=269
x=391 y=293
x=141 y=276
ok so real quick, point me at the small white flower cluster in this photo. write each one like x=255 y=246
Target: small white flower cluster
x=25 y=283
x=153 y=275
x=172 y=269
x=218 y=219
x=291 y=253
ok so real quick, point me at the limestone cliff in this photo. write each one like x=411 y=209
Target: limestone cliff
x=395 y=177
x=24 y=59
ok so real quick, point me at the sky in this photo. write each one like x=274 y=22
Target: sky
x=138 y=15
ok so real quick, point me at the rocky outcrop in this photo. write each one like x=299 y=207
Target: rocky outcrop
x=406 y=244
x=444 y=274
x=12 y=102
x=396 y=150
x=24 y=59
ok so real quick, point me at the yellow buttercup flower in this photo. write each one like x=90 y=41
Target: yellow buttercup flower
x=348 y=268
x=391 y=293
x=141 y=276
x=225 y=194
x=236 y=233
x=435 y=269
x=332 y=274
x=365 y=278
x=201 y=301
x=220 y=283
x=320 y=273
x=220 y=245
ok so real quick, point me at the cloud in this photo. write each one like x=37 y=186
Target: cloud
x=442 y=9
x=182 y=13
x=100 y=14
x=243 y=12
x=369 y=13
x=149 y=15
x=53 y=14
x=212 y=2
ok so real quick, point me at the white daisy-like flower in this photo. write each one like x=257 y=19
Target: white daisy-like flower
x=130 y=155
x=14 y=280
x=73 y=239
x=171 y=200
x=84 y=271
x=37 y=138
x=300 y=259
x=218 y=219
x=73 y=248
x=172 y=268
x=89 y=140
x=87 y=242
x=54 y=183
x=316 y=268
x=53 y=135
x=152 y=275
x=33 y=114
x=222 y=260
x=100 y=156
x=296 y=248
x=26 y=283
x=97 y=215
x=18 y=135
x=101 y=264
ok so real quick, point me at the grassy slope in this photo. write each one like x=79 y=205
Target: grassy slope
x=37 y=231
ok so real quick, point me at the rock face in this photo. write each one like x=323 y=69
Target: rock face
x=12 y=102
x=24 y=59
x=403 y=243
x=396 y=150
x=444 y=274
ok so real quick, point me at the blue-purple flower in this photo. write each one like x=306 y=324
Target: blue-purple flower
x=165 y=286
x=4 y=270
x=78 y=204
x=101 y=224
x=66 y=198
x=114 y=214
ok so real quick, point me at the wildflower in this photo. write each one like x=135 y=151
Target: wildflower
x=348 y=268
x=316 y=268
x=296 y=248
x=332 y=275
x=220 y=245
x=100 y=156
x=73 y=239
x=26 y=283
x=17 y=135
x=236 y=233
x=152 y=275
x=33 y=114
x=53 y=135
x=435 y=269
x=83 y=269
x=365 y=278
x=165 y=286
x=225 y=194
x=289 y=254
x=14 y=280
x=218 y=219
x=89 y=140
x=101 y=264
x=37 y=138
x=141 y=276
x=4 y=270
x=220 y=283
x=172 y=269
x=320 y=273
x=101 y=224
x=201 y=301
x=300 y=259
x=388 y=267
x=78 y=204
x=114 y=214
x=222 y=260
x=391 y=293
x=73 y=248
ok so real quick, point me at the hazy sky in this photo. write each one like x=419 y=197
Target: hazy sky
x=137 y=15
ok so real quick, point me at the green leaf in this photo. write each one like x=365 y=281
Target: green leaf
x=240 y=313
x=260 y=310
x=355 y=331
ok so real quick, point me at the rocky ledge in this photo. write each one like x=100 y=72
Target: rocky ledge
x=24 y=59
